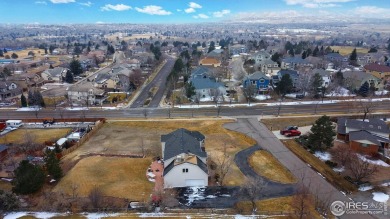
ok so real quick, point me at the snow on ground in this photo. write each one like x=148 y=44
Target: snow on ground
x=324 y=156
x=385 y=184
x=29 y=109
x=339 y=169
x=380 y=93
x=197 y=194
x=380 y=197
x=262 y=97
x=375 y=162
x=341 y=92
x=365 y=188
x=77 y=108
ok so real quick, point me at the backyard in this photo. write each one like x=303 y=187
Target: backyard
x=39 y=136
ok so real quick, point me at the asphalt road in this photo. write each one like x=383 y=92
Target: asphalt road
x=188 y=113
x=158 y=81
x=304 y=173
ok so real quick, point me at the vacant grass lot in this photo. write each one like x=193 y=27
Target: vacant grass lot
x=24 y=53
x=39 y=136
x=347 y=50
x=320 y=166
x=126 y=137
x=275 y=205
x=279 y=123
x=117 y=177
x=266 y=165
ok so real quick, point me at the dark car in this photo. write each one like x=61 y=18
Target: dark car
x=288 y=129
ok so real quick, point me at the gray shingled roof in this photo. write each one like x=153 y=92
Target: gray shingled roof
x=294 y=60
x=3 y=147
x=372 y=125
x=364 y=135
x=169 y=167
x=200 y=71
x=205 y=83
x=256 y=76
x=201 y=165
x=341 y=128
x=182 y=141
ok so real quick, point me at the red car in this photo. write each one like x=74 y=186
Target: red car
x=293 y=133
x=288 y=129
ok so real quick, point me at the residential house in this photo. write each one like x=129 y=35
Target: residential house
x=353 y=80
x=237 y=49
x=86 y=94
x=292 y=62
x=206 y=87
x=104 y=81
x=133 y=64
x=216 y=53
x=9 y=89
x=268 y=66
x=54 y=75
x=335 y=58
x=259 y=80
x=27 y=80
x=326 y=76
x=377 y=70
x=185 y=159
x=210 y=61
x=293 y=75
x=368 y=137
x=260 y=56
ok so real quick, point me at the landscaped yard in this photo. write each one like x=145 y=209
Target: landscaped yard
x=266 y=165
x=116 y=177
x=39 y=136
x=319 y=166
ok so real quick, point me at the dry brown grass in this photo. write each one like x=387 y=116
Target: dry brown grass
x=120 y=96
x=321 y=167
x=274 y=205
x=24 y=53
x=5 y=186
x=279 y=123
x=39 y=135
x=347 y=50
x=116 y=177
x=268 y=166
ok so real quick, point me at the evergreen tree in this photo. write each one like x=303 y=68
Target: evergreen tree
x=364 y=89
x=5 y=50
x=190 y=90
x=31 y=100
x=23 y=100
x=52 y=164
x=28 y=179
x=316 y=84
x=353 y=56
x=1 y=53
x=372 y=50
x=38 y=99
x=285 y=85
x=69 y=77
x=321 y=134
x=316 y=51
x=45 y=50
x=304 y=55
x=14 y=56
x=339 y=78
x=203 y=44
x=75 y=67
x=291 y=52
x=211 y=47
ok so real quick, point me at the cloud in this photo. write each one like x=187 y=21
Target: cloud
x=153 y=10
x=62 y=1
x=221 y=13
x=100 y=22
x=189 y=10
x=41 y=2
x=179 y=10
x=192 y=6
x=87 y=4
x=117 y=7
x=202 y=16
x=372 y=11
x=317 y=3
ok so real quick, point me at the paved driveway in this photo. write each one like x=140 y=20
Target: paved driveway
x=315 y=182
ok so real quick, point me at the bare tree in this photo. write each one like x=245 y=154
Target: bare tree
x=366 y=106
x=215 y=95
x=169 y=198
x=75 y=190
x=96 y=197
x=219 y=108
x=303 y=84
x=301 y=202
x=322 y=201
x=343 y=153
x=252 y=189
x=249 y=92
x=224 y=165
x=145 y=112
x=361 y=169
x=29 y=144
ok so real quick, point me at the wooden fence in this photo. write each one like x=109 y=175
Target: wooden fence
x=85 y=137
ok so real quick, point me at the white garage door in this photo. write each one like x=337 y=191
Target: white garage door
x=195 y=182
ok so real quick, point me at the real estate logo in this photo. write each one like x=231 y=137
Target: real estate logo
x=339 y=208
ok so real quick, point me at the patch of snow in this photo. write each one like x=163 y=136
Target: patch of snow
x=262 y=97
x=380 y=93
x=385 y=184
x=339 y=169
x=100 y=215
x=244 y=217
x=340 y=92
x=324 y=156
x=52 y=180
x=45 y=215
x=211 y=196
x=77 y=108
x=196 y=193
x=365 y=188
x=29 y=109
x=13 y=215
x=380 y=197
x=6 y=179
x=375 y=162
x=225 y=195
x=151 y=215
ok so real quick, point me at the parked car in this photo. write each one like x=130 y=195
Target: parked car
x=293 y=133
x=288 y=129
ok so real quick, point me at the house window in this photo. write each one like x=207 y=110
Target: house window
x=253 y=82
x=364 y=145
x=261 y=80
x=185 y=170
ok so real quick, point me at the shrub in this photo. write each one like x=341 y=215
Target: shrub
x=331 y=164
